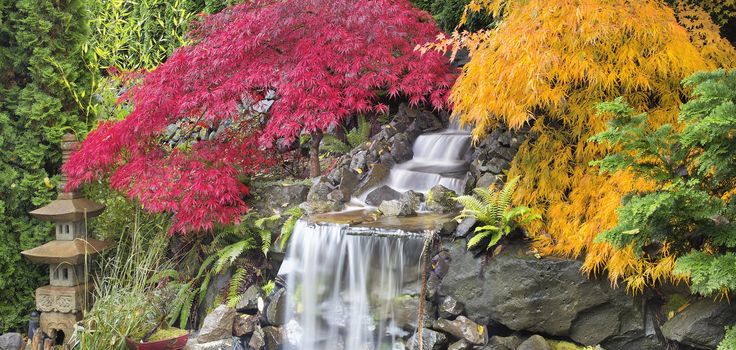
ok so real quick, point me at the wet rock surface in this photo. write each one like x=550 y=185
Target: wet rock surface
x=548 y=296
x=217 y=325
x=701 y=324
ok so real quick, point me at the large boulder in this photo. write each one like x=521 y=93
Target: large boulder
x=280 y=195
x=701 y=325
x=11 y=341
x=217 y=325
x=382 y=194
x=396 y=208
x=548 y=296
x=405 y=312
x=440 y=199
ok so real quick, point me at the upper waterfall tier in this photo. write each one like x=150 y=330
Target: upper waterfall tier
x=440 y=158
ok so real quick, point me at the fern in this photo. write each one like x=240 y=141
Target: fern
x=494 y=210
x=234 y=296
x=295 y=213
x=354 y=138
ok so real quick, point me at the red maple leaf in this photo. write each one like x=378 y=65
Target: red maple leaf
x=322 y=60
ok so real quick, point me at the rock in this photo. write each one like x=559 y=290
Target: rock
x=448 y=227
x=373 y=178
x=463 y=328
x=348 y=183
x=258 y=339
x=319 y=207
x=450 y=307
x=412 y=199
x=548 y=296
x=433 y=286
x=273 y=337
x=338 y=196
x=431 y=340
x=535 y=342
x=358 y=162
x=405 y=312
x=244 y=325
x=381 y=194
x=440 y=199
x=320 y=190
x=700 y=325
x=465 y=226
x=217 y=325
x=460 y=345
x=275 y=307
x=222 y=344
x=11 y=341
x=486 y=180
x=249 y=301
x=401 y=148
x=280 y=196
x=502 y=343
x=396 y=208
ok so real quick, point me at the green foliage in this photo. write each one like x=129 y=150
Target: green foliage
x=252 y=236
x=493 y=209
x=729 y=342
x=38 y=40
x=294 y=214
x=132 y=35
x=354 y=138
x=685 y=209
x=127 y=298
x=448 y=13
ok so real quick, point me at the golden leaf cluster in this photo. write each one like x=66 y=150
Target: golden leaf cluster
x=547 y=63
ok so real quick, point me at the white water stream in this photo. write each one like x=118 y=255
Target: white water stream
x=341 y=289
x=440 y=158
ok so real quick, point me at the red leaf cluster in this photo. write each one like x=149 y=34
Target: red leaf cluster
x=324 y=59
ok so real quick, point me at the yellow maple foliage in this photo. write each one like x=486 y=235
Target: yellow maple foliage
x=547 y=63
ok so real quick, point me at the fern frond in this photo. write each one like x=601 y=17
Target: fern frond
x=504 y=200
x=265 y=241
x=477 y=238
x=233 y=294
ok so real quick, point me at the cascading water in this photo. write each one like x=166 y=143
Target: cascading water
x=439 y=158
x=341 y=288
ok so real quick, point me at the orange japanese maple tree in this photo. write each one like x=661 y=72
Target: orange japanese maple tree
x=315 y=62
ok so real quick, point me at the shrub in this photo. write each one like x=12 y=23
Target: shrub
x=580 y=53
x=684 y=216
x=40 y=51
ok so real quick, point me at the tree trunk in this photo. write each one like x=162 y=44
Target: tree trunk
x=314 y=167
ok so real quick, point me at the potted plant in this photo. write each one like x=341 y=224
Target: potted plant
x=162 y=338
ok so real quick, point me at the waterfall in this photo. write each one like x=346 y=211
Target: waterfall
x=440 y=158
x=341 y=288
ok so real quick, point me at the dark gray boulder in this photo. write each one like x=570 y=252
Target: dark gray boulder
x=381 y=194
x=548 y=296
x=701 y=325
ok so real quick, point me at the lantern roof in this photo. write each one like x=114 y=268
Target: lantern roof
x=69 y=206
x=70 y=252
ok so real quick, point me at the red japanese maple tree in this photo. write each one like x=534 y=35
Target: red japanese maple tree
x=317 y=61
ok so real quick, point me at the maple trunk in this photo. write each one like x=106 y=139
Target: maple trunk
x=314 y=166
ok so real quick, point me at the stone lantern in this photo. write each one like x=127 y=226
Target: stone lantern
x=61 y=303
